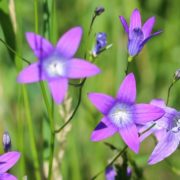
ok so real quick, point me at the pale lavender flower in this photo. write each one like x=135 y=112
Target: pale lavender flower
x=169 y=136
x=7 y=161
x=138 y=35
x=122 y=114
x=56 y=63
x=110 y=173
x=158 y=127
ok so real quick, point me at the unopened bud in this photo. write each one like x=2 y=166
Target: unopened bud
x=129 y=171
x=99 y=10
x=110 y=173
x=177 y=74
x=6 y=141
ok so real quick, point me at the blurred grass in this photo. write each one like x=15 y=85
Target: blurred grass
x=154 y=68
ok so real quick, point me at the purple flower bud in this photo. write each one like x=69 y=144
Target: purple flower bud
x=6 y=141
x=177 y=74
x=110 y=173
x=99 y=10
x=129 y=171
x=101 y=42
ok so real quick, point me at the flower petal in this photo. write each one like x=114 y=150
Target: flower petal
x=69 y=42
x=103 y=130
x=148 y=38
x=8 y=160
x=158 y=102
x=6 y=176
x=142 y=130
x=58 y=88
x=160 y=134
x=164 y=148
x=135 y=21
x=102 y=102
x=129 y=134
x=31 y=74
x=124 y=23
x=39 y=45
x=78 y=68
x=148 y=26
x=127 y=90
x=146 y=112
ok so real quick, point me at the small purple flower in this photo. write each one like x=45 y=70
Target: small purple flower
x=122 y=115
x=56 y=64
x=138 y=35
x=110 y=173
x=168 y=136
x=7 y=161
x=101 y=42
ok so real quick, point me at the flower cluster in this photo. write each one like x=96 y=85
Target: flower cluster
x=121 y=114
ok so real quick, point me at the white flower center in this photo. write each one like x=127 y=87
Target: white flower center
x=119 y=115
x=54 y=66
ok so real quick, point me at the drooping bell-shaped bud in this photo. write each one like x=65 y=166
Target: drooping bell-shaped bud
x=6 y=141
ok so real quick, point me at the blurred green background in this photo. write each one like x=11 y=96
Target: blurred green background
x=77 y=158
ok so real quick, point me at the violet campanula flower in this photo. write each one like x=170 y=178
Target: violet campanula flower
x=122 y=114
x=169 y=137
x=158 y=127
x=56 y=64
x=138 y=35
x=110 y=173
x=7 y=161
x=101 y=42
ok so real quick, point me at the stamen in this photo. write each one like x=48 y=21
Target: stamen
x=54 y=67
x=119 y=115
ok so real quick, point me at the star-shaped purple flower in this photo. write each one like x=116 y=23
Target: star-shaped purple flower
x=138 y=35
x=56 y=64
x=168 y=134
x=7 y=161
x=122 y=115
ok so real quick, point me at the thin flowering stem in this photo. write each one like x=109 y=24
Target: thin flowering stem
x=45 y=97
x=76 y=108
x=36 y=15
x=111 y=162
x=13 y=51
x=118 y=154
x=51 y=121
x=31 y=132
x=169 y=91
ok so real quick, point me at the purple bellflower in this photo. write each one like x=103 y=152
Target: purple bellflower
x=138 y=35
x=7 y=161
x=56 y=64
x=168 y=134
x=101 y=43
x=158 y=127
x=110 y=173
x=122 y=114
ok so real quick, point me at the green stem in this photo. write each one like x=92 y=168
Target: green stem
x=169 y=91
x=51 y=121
x=13 y=51
x=111 y=162
x=76 y=108
x=31 y=132
x=36 y=15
